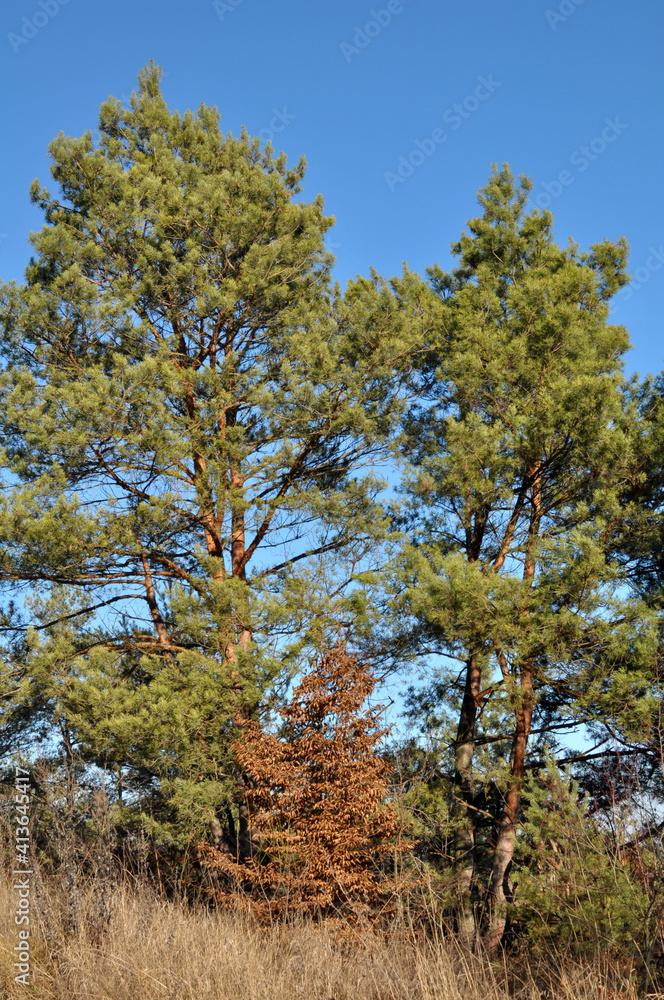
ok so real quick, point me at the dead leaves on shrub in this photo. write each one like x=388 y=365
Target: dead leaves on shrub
x=325 y=839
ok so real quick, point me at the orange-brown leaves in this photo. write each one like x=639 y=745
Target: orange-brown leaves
x=316 y=799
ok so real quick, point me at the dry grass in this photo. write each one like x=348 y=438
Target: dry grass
x=158 y=950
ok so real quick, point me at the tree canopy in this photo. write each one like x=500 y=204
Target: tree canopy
x=218 y=465
x=191 y=415
x=521 y=458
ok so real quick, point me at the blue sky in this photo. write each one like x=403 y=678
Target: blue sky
x=568 y=92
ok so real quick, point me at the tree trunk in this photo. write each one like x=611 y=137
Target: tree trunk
x=150 y=596
x=464 y=845
x=500 y=892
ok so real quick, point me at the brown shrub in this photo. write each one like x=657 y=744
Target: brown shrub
x=323 y=834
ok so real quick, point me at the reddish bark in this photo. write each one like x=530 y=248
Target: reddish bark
x=500 y=890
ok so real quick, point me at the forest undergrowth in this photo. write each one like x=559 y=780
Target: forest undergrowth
x=157 y=948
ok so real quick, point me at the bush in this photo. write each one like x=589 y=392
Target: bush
x=316 y=794
x=578 y=883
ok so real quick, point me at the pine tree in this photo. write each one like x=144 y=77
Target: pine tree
x=639 y=547
x=579 y=880
x=188 y=406
x=518 y=463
